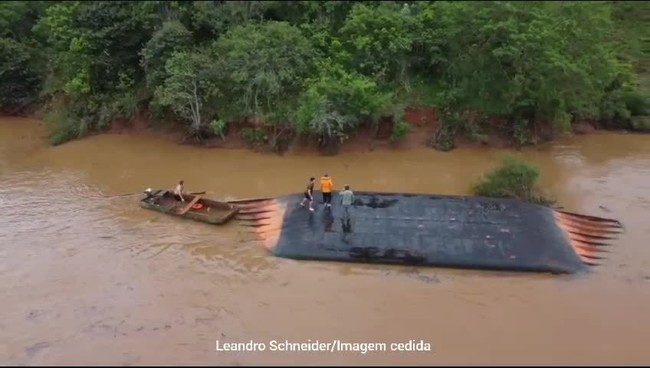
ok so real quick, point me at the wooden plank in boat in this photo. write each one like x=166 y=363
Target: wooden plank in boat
x=189 y=205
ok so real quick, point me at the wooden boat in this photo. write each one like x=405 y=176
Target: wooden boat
x=194 y=208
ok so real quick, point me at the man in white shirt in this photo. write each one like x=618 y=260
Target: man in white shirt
x=178 y=191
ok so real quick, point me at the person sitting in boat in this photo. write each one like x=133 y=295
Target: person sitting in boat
x=178 y=191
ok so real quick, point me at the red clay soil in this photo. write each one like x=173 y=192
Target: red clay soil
x=423 y=122
x=583 y=127
x=421 y=117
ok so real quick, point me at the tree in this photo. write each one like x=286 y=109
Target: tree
x=190 y=88
x=532 y=64
x=336 y=102
x=380 y=39
x=19 y=81
x=265 y=67
x=18 y=17
x=115 y=32
x=328 y=65
x=170 y=38
x=21 y=69
x=209 y=20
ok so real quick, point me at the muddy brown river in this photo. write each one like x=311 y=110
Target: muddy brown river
x=91 y=279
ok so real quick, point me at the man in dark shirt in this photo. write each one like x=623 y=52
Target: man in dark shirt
x=309 y=194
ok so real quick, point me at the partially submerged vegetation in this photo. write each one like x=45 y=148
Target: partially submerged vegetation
x=273 y=70
x=513 y=178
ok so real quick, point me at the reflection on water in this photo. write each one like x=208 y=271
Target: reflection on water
x=86 y=278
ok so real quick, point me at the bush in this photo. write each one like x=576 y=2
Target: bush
x=640 y=123
x=637 y=103
x=62 y=127
x=445 y=137
x=512 y=179
x=218 y=127
x=336 y=102
x=521 y=133
x=400 y=129
x=19 y=81
x=254 y=137
x=627 y=109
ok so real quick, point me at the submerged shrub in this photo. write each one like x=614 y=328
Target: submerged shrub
x=514 y=178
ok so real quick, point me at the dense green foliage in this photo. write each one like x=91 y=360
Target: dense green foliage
x=326 y=69
x=514 y=178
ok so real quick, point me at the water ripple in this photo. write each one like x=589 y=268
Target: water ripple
x=68 y=215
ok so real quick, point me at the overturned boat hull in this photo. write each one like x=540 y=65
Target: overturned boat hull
x=431 y=230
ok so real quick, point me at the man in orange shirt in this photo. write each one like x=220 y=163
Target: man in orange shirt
x=326 y=187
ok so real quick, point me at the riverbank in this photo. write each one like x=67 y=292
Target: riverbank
x=423 y=125
x=423 y=122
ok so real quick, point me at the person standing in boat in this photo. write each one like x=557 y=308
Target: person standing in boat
x=178 y=191
x=326 y=187
x=309 y=194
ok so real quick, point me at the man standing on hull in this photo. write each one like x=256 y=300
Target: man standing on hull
x=326 y=187
x=347 y=200
x=309 y=194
